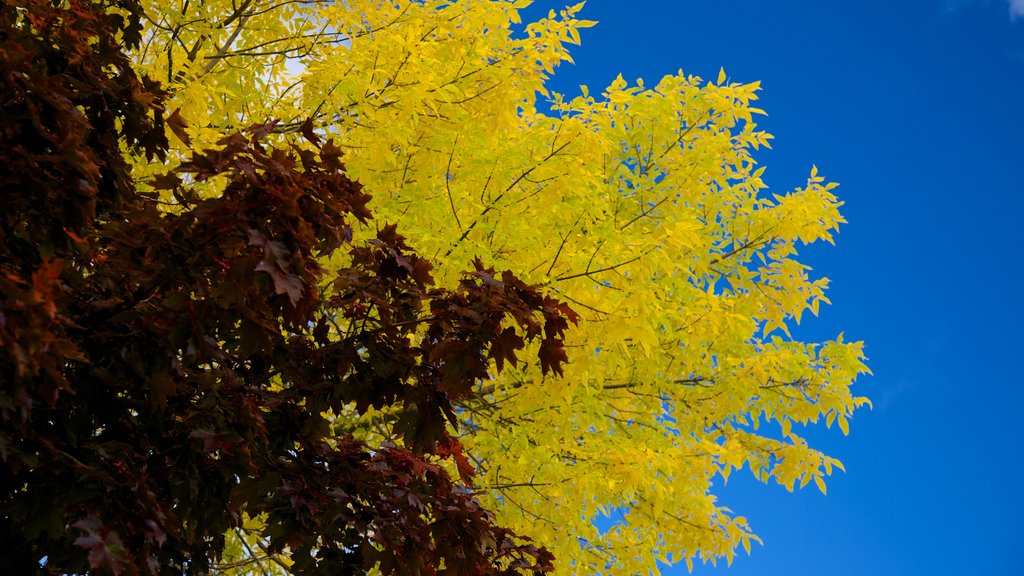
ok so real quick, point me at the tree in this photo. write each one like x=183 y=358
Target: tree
x=653 y=225
x=174 y=373
x=643 y=207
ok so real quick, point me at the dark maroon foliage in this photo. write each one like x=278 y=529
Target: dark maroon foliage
x=165 y=371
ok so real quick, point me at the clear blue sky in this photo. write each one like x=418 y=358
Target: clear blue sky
x=917 y=108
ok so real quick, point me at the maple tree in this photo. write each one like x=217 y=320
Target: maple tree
x=174 y=373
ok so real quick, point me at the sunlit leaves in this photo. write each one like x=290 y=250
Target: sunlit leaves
x=641 y=205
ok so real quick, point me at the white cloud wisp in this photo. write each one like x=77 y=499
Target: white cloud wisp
x=1016 y=9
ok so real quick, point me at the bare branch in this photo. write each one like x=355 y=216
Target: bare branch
x=447 y=183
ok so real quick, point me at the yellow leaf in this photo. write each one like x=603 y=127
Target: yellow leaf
x=821 y=484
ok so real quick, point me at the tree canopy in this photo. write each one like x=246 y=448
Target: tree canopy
x=174 y=374
x=642 y=207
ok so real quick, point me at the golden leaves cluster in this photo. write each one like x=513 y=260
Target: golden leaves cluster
x=642 y=205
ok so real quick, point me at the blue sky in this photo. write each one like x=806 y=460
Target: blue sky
x=917 y=108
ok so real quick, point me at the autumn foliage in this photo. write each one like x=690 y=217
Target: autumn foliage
x=173 y=365
x=219 y=350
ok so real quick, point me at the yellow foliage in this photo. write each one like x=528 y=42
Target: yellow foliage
x=643 y=207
